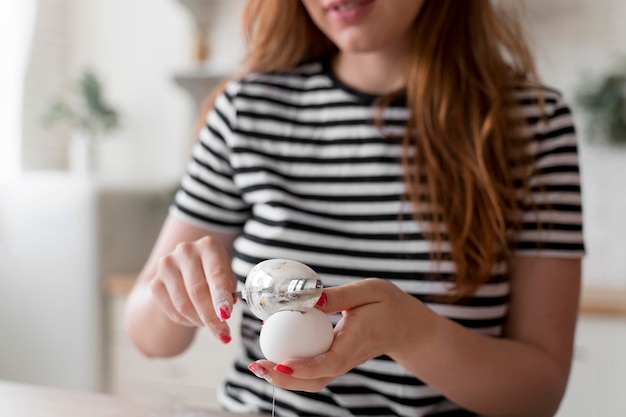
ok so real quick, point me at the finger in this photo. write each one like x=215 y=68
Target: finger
x=349 y=296
x=344 y=354
x=163 y=299
x=200 y=296
x=220 y=278
x=174 y=283
x=266 y=370
x=196 y=285
x=326 y=365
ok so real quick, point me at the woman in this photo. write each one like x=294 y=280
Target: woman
x=406 y=152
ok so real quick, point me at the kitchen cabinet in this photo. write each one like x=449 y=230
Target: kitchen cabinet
x=50 y=309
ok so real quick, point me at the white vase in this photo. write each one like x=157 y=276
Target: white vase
x=82 y=157
x=205 y=15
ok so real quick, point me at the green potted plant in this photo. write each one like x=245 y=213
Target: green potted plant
x=605 y=103
x=87 y=114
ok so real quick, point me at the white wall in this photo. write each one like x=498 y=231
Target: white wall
x=575 y=38
x=575 y=41
x=137 y=46
x=17 y=18
x=50 y=292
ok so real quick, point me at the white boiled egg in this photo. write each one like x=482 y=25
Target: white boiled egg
x=296 y=334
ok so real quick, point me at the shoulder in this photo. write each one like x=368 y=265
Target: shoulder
x=303 y=77
x=552 y=218
x=541 y=106
x=548 y=123
x=285 y=87
x=244 y=92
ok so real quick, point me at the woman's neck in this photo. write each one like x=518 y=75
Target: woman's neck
x=375 y=73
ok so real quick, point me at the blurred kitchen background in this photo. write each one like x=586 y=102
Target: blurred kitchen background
x=82 y=199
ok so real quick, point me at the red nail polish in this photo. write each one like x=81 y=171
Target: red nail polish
x=257 y=370
x=225 y=338
x=322 y=301
x=284 y=369
x=224 y=313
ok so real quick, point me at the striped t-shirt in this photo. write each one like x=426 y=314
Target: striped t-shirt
x=294 y=162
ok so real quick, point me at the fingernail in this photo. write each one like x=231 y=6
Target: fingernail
x=225 y=338
x=223 y=301
x=283 y=369
x=258 y=370
x=322 y=301
x=224 y=312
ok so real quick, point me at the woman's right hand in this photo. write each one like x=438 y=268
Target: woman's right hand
x=194 y=285
x=186 y=282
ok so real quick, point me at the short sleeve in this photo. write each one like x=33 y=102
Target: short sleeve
x=552 y=217
x=208 y=196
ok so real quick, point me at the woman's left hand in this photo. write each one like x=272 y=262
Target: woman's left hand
x=378 y=318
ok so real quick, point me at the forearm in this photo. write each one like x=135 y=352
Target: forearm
x=152 y=332
x=491 y=376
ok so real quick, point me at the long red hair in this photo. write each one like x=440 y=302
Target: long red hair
x=467 y=58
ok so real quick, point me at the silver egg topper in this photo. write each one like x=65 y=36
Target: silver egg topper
x=280 y=284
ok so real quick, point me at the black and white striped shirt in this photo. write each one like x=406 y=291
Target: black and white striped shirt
x=294 y=162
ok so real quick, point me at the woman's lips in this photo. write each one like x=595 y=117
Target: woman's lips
x=350 y=10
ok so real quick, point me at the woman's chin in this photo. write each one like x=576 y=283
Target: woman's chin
x=357 y=43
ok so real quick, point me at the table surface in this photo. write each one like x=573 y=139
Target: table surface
x=22 y=400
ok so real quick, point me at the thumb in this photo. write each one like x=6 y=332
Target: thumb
x=349 y=296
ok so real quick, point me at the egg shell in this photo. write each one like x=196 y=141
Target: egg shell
x=296 y=334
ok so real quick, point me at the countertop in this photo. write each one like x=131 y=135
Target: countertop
x=22 y=400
